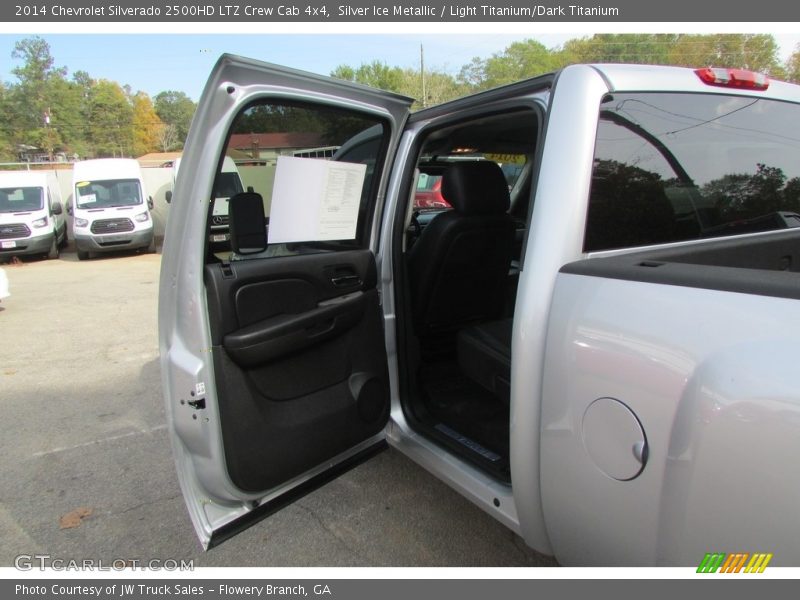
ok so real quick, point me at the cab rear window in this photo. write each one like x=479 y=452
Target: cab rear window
x=679 y=166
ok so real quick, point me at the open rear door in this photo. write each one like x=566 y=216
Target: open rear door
x=273 y=357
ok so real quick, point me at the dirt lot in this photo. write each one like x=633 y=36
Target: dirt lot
x=87 y=470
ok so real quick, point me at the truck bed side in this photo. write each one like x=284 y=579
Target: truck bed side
x=698 y=343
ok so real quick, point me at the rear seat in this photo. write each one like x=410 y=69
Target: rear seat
x=484 y=356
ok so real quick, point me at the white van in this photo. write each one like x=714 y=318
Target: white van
x=31 y=218
x=108 y=207
x=227 y=184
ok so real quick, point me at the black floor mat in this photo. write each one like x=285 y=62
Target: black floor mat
x=472 y=417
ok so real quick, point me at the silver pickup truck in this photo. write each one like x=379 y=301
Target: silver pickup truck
x=594 y=337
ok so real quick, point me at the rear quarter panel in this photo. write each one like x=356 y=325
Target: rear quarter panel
x=712 y=377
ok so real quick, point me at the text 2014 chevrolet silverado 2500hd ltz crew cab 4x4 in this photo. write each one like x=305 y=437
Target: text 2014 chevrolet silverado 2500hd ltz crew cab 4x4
x=597 y=342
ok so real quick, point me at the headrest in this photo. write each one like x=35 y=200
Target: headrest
x=247 y=223
x=476 y=188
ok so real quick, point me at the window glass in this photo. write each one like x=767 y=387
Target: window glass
x=13 y=199
x=108 y=193
x=314 y=167
x=671 y=167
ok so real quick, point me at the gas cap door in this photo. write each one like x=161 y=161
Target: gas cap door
x=614 y=439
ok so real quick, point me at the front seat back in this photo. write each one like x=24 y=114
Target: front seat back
x=458 y=269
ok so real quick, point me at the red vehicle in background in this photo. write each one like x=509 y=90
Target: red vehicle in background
x=429 y=185
x=429 y=192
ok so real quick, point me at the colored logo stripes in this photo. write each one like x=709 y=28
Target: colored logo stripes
x=734 y=563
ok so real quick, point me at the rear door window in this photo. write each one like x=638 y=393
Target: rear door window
x=315 y=170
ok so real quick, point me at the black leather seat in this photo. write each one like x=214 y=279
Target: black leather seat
x=458 y=269
x=484 y=355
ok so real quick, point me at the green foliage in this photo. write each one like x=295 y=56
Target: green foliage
x=145 y=123
x=793 y=66
x=38 y=62
x=529 y=58
x=648 y=49
x=757 y=52
x=439 y=87
x=6 y=145
x=743 y=51
x=436 y=88
x=103 y=118
x=176 y=109
x=375 y=74
x=67 y=115
x=110 y=120
x=87 y=118
x=521 y=60
x=35 y=95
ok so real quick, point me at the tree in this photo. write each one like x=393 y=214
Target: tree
x=471 y=75
x=646 y=48
x=521 y=60
x=439 y=86
x=110 y=120
x=176 y=109
x=375 y=74
x=167 y=137
x=67 y=116
x=145 y=123
x=791 y=195
x=793 y=66
x=746 y=196
x=756 y=52
x=81 y=85
x=628 y=207
x=6 y=146
x=45 y=109
x=30 y=102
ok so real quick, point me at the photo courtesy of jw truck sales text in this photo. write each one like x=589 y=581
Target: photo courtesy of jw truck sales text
x=575 y=299
x=139 y=590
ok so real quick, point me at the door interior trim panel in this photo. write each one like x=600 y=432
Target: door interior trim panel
x=299 y=360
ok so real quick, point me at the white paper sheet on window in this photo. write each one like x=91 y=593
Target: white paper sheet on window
x=315 y=200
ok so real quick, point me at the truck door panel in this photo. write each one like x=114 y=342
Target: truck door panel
x=299 y=361
x=273 y=353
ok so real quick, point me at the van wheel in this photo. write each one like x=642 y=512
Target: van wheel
x=151 y=247
x=53 y=252
x=83 y=255
x=64 y=239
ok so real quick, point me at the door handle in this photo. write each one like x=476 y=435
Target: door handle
x=346 y=280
